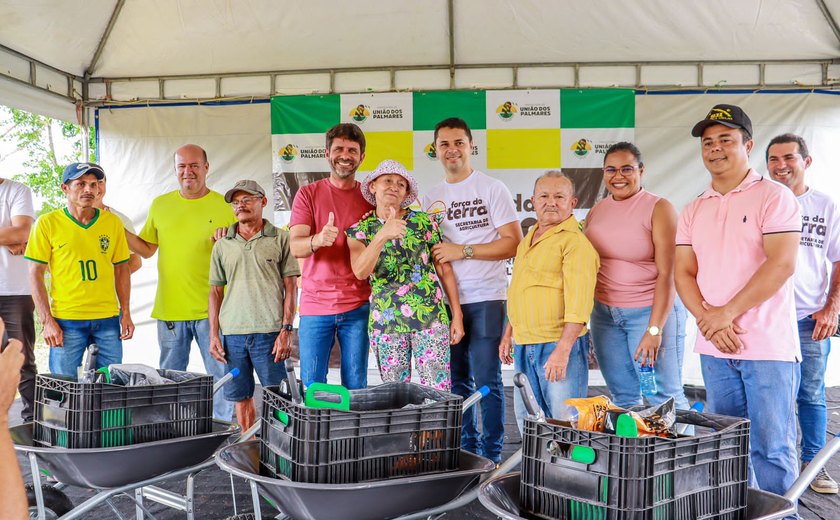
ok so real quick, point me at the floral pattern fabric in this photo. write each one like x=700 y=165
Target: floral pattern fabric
x=405 y=293
x=430 y=349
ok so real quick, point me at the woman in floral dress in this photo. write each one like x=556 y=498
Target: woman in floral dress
x=393 y=247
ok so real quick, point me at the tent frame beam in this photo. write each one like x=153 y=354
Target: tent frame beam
x=515 y=68
x=829 y=19
x=32 y=79
x=115 y=14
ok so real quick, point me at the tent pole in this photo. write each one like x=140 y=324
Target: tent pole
x=450 y=4
x=102 y=41
x=828 y=18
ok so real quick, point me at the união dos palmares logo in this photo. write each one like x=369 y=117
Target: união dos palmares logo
x=288 y=152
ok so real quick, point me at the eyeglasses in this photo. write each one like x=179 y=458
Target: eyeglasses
x=244 y=201
x=624 y=170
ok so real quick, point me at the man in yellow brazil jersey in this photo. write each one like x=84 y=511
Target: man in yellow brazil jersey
x=87 y=256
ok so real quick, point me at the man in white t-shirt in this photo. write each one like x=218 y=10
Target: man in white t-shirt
x=16 y=306
x=480 y=231
x=816 y=291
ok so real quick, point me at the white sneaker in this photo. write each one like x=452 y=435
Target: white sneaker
x=823 y=483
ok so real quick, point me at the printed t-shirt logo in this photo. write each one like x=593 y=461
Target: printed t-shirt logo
x=104 y=243
x=507 y=110
x=288 y=152
x=437 y=211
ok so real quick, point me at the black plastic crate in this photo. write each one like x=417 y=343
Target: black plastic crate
x=69 y=414
x=647 y=478
x=377 y=439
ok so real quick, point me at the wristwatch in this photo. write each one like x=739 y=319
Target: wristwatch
x=654 y=331
x=468 y=251
x=287 y=327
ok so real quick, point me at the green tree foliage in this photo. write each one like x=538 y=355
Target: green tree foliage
x=48 y=146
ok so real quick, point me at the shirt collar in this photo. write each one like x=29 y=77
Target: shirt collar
x=748 y=182
x=570 y=224
x=268 y=230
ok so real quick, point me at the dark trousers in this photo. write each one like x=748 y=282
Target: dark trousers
x=17 y=311
x=475 y=363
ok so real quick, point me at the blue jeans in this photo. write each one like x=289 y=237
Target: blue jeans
x=530 y=360
x=317 y=335
x=175 y=343
x=78 y=334
x=475 y=363
x=249 y=352
x=763 y=392
x=616 y=333
x=810 y=401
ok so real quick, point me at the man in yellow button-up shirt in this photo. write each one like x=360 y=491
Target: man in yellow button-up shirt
x=550 y=300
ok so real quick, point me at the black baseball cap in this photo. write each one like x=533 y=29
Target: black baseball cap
x=726 y=115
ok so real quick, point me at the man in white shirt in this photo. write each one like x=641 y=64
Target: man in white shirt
x=480 y=231
x=16 y=306
x=816 y=286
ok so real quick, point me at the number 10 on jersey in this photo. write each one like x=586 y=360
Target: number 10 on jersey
x=88 y=269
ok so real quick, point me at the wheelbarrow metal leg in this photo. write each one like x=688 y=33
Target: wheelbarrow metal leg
x=36 y=482
x=138 y=504
x=114 y=509
x=255 y=499
x=167 y=498
x=233 y=494
x=141 y=512
x=189 y=497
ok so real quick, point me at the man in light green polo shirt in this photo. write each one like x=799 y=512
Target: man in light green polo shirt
x=255 y=313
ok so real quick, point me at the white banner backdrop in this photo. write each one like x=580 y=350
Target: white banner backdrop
x=136 y=146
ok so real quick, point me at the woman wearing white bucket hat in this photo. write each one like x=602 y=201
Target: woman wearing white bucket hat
x=393 y=246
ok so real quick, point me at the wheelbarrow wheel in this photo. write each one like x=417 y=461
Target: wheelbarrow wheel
x=56 y=502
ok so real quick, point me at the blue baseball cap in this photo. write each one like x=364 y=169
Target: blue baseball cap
x=76 y=170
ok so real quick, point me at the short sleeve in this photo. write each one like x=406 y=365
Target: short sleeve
x=302 y=211
x=437 y=234
x=833 y=238
x=781 y=212
x=149 y=232
x=217 y=271
x=359 y=231
x=684 y=226
x=502 y=209
x=21 y=203
x=39 y=248
x=121 y=253
x=288 y=264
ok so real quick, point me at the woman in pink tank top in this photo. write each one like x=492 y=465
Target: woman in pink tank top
x=637 y=319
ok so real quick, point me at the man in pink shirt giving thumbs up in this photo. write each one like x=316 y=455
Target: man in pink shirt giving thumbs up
x=333 y=302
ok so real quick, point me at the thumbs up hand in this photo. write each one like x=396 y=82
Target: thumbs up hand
x=328 y=233
x=394 y=227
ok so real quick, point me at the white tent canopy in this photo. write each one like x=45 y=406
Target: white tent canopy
x=101 y=52
x=64 y=58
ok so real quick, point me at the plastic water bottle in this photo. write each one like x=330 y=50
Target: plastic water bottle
x=648 y=380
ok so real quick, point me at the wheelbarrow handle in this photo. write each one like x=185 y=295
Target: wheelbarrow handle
x=294 y=389
x=521 y=380
x=223 y=381
x=818 y=463
x=474 y=398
